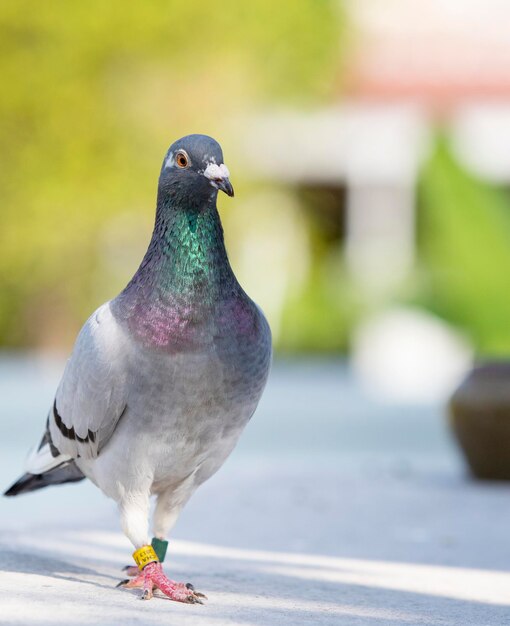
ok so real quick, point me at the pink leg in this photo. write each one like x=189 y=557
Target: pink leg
x=152 y=576
x=148 y=587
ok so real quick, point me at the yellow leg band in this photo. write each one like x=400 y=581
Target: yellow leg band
x=145 y=555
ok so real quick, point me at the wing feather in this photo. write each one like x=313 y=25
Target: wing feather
x=92 y=394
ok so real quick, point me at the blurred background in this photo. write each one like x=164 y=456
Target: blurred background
x=367 y=141
x=369 y=146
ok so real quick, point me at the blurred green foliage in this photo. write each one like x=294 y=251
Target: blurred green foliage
x=92 y=94
x=320 y=313
x=465 y=242
x=320 y=316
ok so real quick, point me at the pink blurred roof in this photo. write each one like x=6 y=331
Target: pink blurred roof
x=440 y=52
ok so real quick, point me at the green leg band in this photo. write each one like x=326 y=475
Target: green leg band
x=160 y=547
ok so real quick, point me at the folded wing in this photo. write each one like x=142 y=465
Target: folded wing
x=92 y=395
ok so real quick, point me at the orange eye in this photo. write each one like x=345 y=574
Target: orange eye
x=181 y=158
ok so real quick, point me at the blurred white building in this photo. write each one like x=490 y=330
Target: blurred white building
x=411 y=64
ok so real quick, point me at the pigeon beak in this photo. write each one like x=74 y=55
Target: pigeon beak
x=225 y=185
x=218 y=176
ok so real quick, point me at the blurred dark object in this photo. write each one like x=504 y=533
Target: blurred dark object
x=480 y=418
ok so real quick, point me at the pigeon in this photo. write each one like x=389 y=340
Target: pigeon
x=163 y=378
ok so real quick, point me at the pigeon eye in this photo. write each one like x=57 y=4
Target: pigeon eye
x=181 y=158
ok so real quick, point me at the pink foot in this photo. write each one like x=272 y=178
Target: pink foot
x=152 y=577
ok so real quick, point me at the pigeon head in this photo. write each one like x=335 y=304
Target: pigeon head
x=193 y=170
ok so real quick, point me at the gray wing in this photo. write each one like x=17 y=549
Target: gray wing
x=92 y=394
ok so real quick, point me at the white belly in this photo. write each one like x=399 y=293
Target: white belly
x=184 y=416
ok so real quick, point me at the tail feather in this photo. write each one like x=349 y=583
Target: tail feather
x=45 y=466
x=45 y=456
x=68 y=472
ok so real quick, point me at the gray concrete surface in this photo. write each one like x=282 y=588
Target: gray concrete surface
x=334 y=510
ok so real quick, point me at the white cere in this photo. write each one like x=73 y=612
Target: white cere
x=215 y=172
x=170 y=160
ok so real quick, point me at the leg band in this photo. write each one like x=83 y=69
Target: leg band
x=145 y=555
x=160 y=546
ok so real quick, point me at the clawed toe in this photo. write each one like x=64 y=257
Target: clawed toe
x=194 y=599
x=197 y=594
x=132 y=583
x=131 y=570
